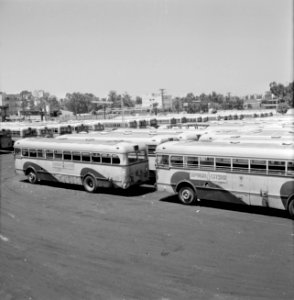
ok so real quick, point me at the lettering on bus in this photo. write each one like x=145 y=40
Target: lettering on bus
x=209 y=176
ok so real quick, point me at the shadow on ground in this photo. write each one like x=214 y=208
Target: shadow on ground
x=130 y=192
x=231 y=206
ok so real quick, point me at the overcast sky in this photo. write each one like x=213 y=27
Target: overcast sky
x=140 y=46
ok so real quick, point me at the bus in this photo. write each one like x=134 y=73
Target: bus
x=143 y=139
x=91 y=164
x=238 y=173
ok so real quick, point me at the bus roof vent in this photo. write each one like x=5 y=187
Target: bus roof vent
x=287 y=143
x=234 y=142
x=275 y=137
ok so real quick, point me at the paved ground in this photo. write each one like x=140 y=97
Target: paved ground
x=59 y=242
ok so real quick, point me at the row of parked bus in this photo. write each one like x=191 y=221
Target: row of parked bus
x=252 y=165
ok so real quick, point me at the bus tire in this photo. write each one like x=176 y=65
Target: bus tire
x=187 y=195
x=32 y=176
x=291 y=208
x=89 y=184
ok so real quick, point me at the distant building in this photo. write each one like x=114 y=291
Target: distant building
x=156 y=100
x=270 y=103
x=252 y=103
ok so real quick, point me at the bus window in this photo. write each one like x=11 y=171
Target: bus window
x=67 y=155
x=163 y=160
x=76 y=156
x=32 y=152
x=258 y=166
x=151 y=149
x=25 y=152
x=106 y=158
x=40 y=153
x=192 y=162
x=222 y=163
x=142 y=155
x=276 y=167
x=86 y=156
x=96 y=157
x=176 y=161
x=58 y=154
x=17 y=151
x=206 y=162
x=240 y=164
x=132 y=157
x=290 y=168
x=49 y=154
x=115 y=159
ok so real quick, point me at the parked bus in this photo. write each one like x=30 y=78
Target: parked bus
x=143 y=139
x=91 y=164
x=21 y=131
x=6 y=141
x=237 y=173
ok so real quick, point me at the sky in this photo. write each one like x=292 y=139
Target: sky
x=141 y=46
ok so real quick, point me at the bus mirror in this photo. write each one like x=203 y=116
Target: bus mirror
x=136 y=147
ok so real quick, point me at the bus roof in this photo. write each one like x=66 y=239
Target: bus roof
x=75 y=145
x=112 y=136
x=249 y=150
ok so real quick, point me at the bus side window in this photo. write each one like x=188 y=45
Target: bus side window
x=32 y=152
x=206 y=162
x=192 y=162
x=25 y=152
x=290 y=168
x=222 y=163
x=96 y=157
x=106 y=158
x=58 y=154
x=276 y=167
x=40 y=153
x=176 y=161
x=17 y=151
x=49 y=154
x=257 y=166
x=67 y=155
x=76 y=156
x=240 y=164
x=115 y=159
x=86 y=156
x=163 y=160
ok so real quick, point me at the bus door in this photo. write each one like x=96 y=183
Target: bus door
x=240 y=180
x=258 y=183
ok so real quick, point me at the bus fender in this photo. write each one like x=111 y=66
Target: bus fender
x=290 y=198
x=185 y=182
x=29 y=167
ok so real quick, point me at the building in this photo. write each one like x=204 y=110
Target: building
x=157 y=100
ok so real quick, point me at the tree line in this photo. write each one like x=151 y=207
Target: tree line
x=80 y=103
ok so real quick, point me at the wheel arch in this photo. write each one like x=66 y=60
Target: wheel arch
x=289 y=199
x=28 y=168
x=185 y=183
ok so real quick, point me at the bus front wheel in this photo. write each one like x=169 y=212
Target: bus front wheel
x=187 y=195
x=291 y=208
x=32 y=176
x=89 y=184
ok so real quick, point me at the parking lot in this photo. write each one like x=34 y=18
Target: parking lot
x=59 y=242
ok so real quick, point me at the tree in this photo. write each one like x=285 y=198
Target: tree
x=138 y=100
x=284 y=93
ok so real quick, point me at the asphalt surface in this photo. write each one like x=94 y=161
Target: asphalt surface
x=59 y=242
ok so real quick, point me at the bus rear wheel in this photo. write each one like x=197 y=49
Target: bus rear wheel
x=187 y=195
x=89 y=183
x=32 y=176
x=291 y=208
